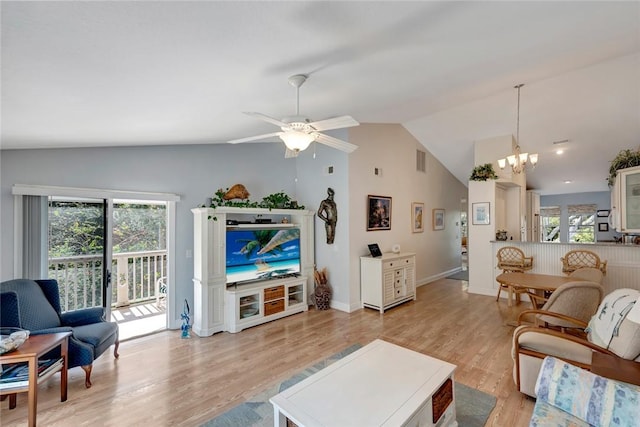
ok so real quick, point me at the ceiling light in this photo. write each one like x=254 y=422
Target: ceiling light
x=518 y=160
x=297 y=140
x=558 y=152
x=568 y=181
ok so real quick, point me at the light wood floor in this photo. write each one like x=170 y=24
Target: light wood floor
x=162 y=380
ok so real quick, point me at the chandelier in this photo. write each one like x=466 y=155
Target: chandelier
x=518 y=160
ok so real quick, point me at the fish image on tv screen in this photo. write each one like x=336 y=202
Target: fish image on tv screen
x=262 y=254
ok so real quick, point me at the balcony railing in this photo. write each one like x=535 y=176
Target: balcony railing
x=134 y=276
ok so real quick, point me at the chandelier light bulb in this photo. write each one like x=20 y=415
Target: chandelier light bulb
x=523 y=157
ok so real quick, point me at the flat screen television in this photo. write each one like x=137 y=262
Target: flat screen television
x=262 y=253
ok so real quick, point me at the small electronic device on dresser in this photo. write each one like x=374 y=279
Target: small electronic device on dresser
x=236 y=222
x=375 y=251
x=264 y=221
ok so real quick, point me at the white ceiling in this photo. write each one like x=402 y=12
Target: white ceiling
x=171 y=72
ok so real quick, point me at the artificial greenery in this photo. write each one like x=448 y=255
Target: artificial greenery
x=278 y=200
x=624 y=159
x=483 y=173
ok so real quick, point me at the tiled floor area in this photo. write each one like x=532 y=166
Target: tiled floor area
x=140 y=319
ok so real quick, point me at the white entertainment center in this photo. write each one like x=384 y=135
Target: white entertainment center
x=219 y=307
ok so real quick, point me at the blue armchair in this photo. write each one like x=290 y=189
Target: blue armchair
x=35 y=305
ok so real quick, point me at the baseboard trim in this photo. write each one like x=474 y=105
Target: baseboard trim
x=429 y=279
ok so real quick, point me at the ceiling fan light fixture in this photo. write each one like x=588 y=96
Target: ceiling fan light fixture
x=296 y=140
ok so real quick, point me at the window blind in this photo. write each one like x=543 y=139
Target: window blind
x=550 y=211
x=582 y=209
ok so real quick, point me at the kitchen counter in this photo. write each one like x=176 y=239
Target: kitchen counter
x=623 y=259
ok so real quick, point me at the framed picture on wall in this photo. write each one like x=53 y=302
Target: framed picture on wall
x=417 y=210
x=603 y=226
x=378 y=213
x=438 y=219
x=480 y=212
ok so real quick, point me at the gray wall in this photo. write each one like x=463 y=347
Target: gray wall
x=194 y=172
x=600 y=198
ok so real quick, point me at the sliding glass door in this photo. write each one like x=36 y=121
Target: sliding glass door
x=79 y=251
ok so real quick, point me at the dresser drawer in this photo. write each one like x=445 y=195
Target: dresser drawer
x=397 y=263
x=272 y=307
x=274 y=293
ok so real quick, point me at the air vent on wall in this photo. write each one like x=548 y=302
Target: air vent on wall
x=421 y=161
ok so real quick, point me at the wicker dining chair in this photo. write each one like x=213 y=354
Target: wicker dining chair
x=512 y=259
x=581 y=258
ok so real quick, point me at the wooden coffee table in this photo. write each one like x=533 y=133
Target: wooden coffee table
x=381 y=384
x=34 y=347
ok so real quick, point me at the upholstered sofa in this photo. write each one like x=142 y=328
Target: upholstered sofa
x=571 y=396
x=35 y=305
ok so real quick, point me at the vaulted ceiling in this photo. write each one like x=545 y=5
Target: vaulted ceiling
x=170 y=72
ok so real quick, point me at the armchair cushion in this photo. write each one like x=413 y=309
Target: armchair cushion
x=534 y=339
x=10 y=313
x=36 y=312
x=83 y=317
x=583 y=397
x=610 y=327
x=96 y=333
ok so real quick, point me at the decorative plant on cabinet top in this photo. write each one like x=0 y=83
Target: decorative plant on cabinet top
x=278 y=200
x=624 y=159
x=483 y=173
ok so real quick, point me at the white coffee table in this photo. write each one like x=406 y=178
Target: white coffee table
x=381 y=384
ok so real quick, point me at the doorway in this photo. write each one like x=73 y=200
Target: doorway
x=464 y=244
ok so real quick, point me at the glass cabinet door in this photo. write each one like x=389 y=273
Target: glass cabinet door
x=630 y=208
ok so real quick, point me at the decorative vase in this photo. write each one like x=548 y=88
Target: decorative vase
x=322 y=296
x=186 y=327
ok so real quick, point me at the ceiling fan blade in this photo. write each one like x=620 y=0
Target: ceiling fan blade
x=267 y=119
x=334 y=123
x=339 y=144
x=254 y=138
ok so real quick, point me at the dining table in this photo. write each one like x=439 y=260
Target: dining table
x=518 y=283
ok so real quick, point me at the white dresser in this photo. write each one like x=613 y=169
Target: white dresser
x=388 y=280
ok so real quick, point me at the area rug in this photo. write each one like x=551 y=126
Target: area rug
x=460 y=275
x=473 y=407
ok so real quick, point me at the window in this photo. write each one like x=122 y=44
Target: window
x=582 y=223
x=550 y=223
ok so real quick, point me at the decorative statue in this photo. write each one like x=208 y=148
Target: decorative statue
x=328 y=212
x=185 y=321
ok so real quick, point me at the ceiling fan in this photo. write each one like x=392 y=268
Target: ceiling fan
x=298 y=132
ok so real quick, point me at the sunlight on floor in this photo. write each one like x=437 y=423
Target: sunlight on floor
x=137 y=320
